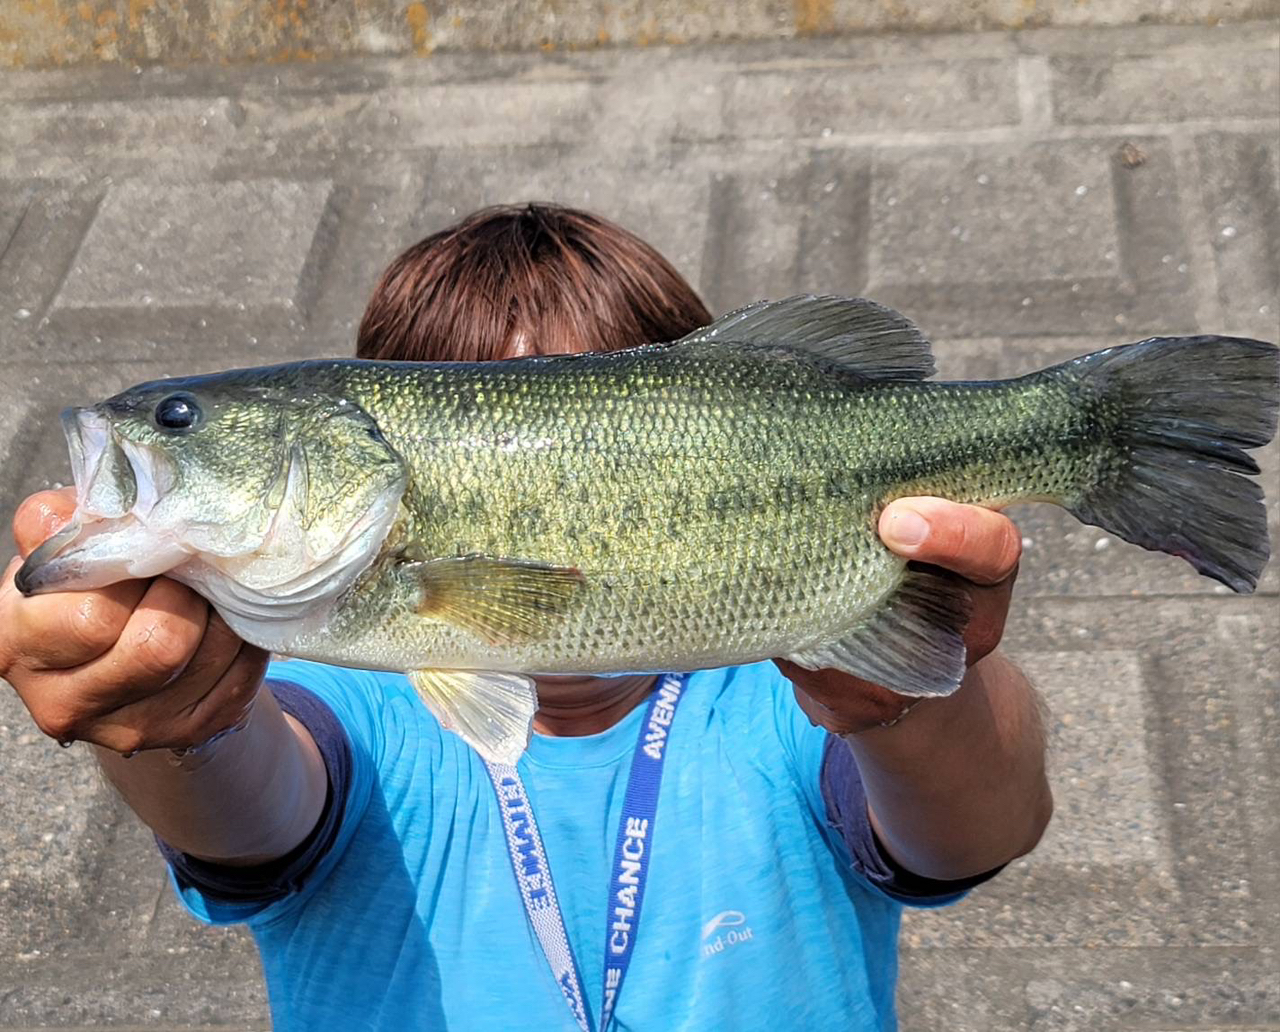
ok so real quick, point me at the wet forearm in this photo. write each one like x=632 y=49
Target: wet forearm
x=958 y=787
x=247 y=798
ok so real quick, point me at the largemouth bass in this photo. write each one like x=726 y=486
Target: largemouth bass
x=707 y=502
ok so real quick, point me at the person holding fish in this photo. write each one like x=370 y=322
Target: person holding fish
x=670 y=821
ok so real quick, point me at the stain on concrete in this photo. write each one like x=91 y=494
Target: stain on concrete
x=814 y=17
x=419 y=18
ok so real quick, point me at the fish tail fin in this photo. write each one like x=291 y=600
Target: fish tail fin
x=1181 y=411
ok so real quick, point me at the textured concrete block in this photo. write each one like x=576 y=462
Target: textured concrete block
x=134 y=990
x=1149 y=38
x=1251 y=667
x=788 y=228
x=378 y=116
x=1068 y=990
x=950 y=15
x=14 y=199
x=373 y=220
x=832 y=253
x=1105 y=784
x=57 y=816
x=33 y=453
x=1045 y=238
x=211 y=244
x=63 y=32
x=128 y=956
x=91 y=933
x=755 y=226
x=952 y=989
x=184 y=337
x=1241 y=190
x=681 y=98
x=587 y=22
x=896 y=98
x=186 y=270
x=453 y=114
x=1196 y=883
x=1166 y=87
x=1221 y=996
x=42 y=241
x=947 y=216
x=87 y=138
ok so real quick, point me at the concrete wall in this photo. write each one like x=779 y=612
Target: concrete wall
x=1024 y=196
x=50 y=33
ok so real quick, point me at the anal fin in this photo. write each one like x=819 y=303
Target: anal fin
x=491 y=712
x=912 y=645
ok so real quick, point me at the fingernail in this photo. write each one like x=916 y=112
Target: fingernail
x=908 y=528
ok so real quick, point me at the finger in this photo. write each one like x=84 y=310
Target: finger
x=987 y=622
x=64 y=629
x=193 y=711
x=40 y=515
x=979 y=544
x=218 y=649
x=159 y=640
x=228 y=704
x=839 y=701
x=102 y=700
x=819 y=713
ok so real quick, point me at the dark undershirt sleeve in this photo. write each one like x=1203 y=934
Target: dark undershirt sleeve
x=846 y=803
x=276 y=879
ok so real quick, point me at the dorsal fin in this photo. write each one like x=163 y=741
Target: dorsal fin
x=860 y=335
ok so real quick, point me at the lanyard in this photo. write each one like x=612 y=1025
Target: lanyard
x=630 y=860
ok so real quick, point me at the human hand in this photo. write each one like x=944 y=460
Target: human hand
x=980 y=545
x=136 y=665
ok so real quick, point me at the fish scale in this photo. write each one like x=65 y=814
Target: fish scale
x=753 y=568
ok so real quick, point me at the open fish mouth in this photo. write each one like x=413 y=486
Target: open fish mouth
x=118 y=483
x=138 y=516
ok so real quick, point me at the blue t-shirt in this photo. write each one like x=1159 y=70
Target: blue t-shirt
x=756 y=916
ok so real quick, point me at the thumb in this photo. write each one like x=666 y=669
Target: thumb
x=976 y=543
x=41 y=515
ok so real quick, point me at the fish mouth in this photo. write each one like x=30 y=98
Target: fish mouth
x=118 y=482
x=113 y=475
x=106 y=484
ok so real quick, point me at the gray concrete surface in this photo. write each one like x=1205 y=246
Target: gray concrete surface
x=60 y=33
x=1024 y=196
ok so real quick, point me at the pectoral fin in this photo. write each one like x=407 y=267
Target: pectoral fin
x=913 y=645
x=504 y=601
x=491 y=712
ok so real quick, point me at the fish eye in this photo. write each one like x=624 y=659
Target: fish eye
x=177 y=412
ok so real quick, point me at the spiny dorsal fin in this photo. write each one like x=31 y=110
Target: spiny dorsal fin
x=860 y=335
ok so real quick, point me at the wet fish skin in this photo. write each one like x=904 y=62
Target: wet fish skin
x=695 y=541
x=678 y=506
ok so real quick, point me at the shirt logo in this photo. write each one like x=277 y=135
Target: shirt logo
x=735 y=921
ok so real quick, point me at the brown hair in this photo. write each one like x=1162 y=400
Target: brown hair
x=526 y=279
